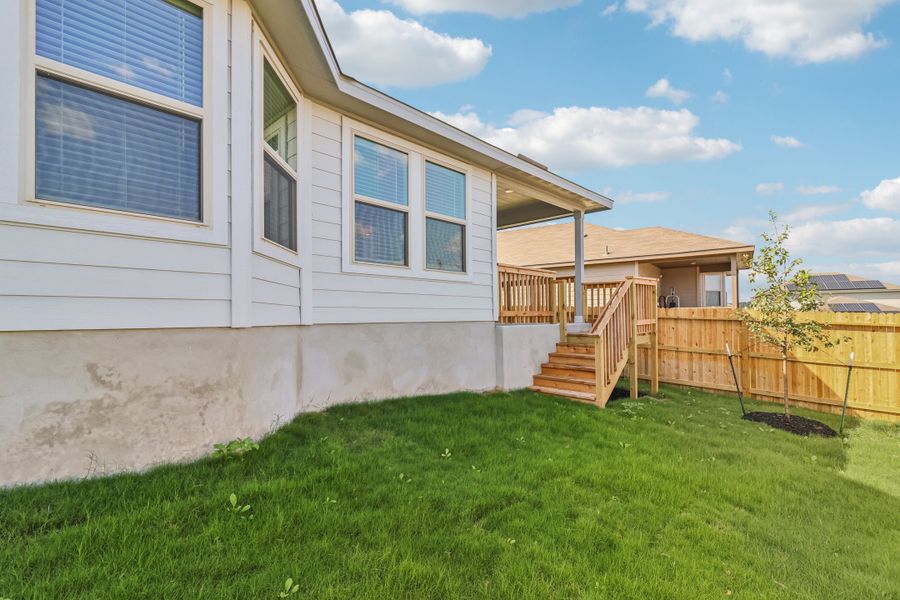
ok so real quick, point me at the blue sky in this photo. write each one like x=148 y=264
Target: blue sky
x=792 y=105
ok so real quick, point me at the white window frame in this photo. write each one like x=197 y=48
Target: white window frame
x=723 y=291
x=446 y=218
x=27 y=208
x=415 y=208
x=264 y=52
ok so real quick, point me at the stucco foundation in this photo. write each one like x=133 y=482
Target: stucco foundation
x=91 y=402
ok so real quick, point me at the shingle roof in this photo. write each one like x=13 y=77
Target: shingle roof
x=554 y=244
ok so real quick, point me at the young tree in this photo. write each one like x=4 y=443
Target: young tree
x=775 y=315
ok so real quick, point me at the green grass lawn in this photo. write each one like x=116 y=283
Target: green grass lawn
x=483 y=496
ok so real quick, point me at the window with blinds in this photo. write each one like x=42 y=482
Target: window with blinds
x=381 y=203
x=445 y=220
x=129 y=140
x=280 y=161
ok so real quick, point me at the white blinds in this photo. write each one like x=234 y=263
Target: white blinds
x=156 y=45
x=380 y=172
x=98 y=150
x=445 y=191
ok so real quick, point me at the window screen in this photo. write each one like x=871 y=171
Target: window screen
x=280 y=205
x=444 y=245
x=99 y=150
x=380 y=235
x=380 y=172
x=445 y=191
x=156 y=45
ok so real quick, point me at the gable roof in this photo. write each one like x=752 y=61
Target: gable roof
x=296 y=28
x=554 y=245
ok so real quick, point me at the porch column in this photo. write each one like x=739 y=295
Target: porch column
x=579 y=266
x=735 y=288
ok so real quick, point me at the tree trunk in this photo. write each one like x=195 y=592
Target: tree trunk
x=784 y=376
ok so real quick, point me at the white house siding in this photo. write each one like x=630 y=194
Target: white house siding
x=342 y=297
x=274 y=292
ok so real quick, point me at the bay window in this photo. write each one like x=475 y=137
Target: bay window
x=119 y=105
x=279 y=161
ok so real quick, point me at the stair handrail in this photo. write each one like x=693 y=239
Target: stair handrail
x=606 y=314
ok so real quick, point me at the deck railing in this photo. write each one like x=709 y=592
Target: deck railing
x=527 y=295
x=594 y=297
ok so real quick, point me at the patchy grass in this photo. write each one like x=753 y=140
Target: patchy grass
x=482 y=496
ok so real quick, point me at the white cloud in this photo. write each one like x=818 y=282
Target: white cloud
x=575 y=138
x=612 y=8
x=850 y=238
x=720 y=97
x=629 y=197
x=787 y=141
x=494 y=8
x=817 y=190
x=811 y=212
x=418 y=56
x=886 y=196
x=664 y=89
x=768 y=189
x=726 y=75
x=807 y=31
x=739 y=233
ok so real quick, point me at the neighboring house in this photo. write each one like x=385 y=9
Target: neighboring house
x=699 y=268
x=206 y=227
x=851 y=293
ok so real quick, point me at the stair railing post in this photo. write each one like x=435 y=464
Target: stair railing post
x=561 y=306
x=600 y=370
x=632 y=347
x=654 y=348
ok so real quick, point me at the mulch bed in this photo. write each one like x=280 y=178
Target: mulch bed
x=793 y=424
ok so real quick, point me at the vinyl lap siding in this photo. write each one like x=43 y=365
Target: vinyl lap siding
x=340 y=297
x=59 y=279
x=274 y=292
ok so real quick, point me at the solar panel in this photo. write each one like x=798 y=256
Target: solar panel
x=842 y=282
x=855 y=307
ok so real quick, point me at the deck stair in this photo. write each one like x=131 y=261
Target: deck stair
x=586 y=366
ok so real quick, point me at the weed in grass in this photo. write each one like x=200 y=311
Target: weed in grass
x=290 y=588
x=236 y=448
x=236 y=508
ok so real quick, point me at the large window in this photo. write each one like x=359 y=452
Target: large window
x=119 y=105
x=381 y=203
x=715 y=288
x=445 y=218
x=280 y=161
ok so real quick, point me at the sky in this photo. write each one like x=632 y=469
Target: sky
x=700 y=115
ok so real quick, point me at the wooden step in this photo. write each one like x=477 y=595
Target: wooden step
x=580 y=339
x=572 y=358
x=575 y=348
x=573 y=371
x=569 y=394
x=564 y=383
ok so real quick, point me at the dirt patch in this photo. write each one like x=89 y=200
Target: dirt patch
x=793 y=424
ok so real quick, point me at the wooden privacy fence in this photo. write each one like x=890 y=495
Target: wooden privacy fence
x=692 y=353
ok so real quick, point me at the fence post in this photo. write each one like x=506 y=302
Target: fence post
x=746 y=361
x=654 y=349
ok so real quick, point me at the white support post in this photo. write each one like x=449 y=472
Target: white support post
x=579 y=266
x=735 y=287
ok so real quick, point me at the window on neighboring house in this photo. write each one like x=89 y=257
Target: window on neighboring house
x=381 y=203
x=119 y=105
x=280 y=161
x=445 y=218
x=715 y=289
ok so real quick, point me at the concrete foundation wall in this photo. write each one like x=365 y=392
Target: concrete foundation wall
x=520 y=351
x=79 y=403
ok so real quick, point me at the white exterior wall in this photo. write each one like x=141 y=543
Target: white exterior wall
x=82 y=268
